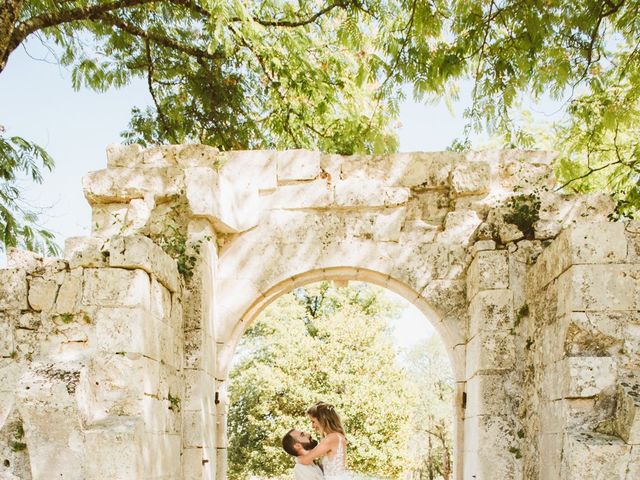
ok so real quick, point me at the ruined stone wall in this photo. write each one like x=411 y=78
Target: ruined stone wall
x=114 y=361
x=91 y=351
x=581 y=382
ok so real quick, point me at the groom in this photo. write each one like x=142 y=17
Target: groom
x=297 y=443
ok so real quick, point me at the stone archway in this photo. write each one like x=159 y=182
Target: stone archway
x=127 y=340
x=340 y=275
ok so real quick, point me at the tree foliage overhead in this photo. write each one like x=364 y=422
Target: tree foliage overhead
x=327 y=74
x=319 y=343
x=233 y=74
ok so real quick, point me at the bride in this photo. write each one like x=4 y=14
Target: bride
x=332 y=449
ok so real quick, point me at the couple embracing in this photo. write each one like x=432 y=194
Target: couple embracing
x=331 y=452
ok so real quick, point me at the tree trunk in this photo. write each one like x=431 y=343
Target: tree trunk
x=9 y=14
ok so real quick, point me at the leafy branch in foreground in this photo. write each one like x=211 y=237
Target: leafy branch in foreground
x=18 y=222
x=234 y=75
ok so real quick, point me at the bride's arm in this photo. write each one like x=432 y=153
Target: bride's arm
x=324 y=447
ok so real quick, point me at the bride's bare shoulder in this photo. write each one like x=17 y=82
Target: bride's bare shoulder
x=335 y=437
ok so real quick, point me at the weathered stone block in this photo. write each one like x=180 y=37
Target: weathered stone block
x=509 y=233
x=193 y=345
x=141 y=252
x=627 y=417
x=598 y=242
x=481 y=246
x=160 y=301
x=199 y=156
x=588 y=243
x=488 y=270
x=199 y=388
x=128 y=330
x=488 y=352
x=491 y=311
x=379 y=168
x=214 y=197
x=42 y=293
x=23 y=259
x=13 y=289
x=115 y=450
x=395 y=196
x=298 y=165
x=115 y=385
x=447 y=297
x=550 y=455
x=261 y=163
x=85 y=252
x=490 y=448
x=430 y=207
x=599 y=288
x=161 y=457
x=470 y=178
x=138 y=215
x=387 y=225
x=358 y=193
x=590 y=455
x=123 y=155
x=330 y=166
x=155 y=413
x=314 y=194
x=633 y=469
x=459 y=227
x=632 y=232
x=108 y=220
x=70 y=292
x=487 y=395
x=425 y=170
x=116 y=287
x=579 y=377
x=161 y=155
x=193 y=429
x=592 y=334
x=7 y=324
x=120 y=185
x=194 y=462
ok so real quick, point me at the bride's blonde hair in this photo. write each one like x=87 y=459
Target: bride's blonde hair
x=327 y=417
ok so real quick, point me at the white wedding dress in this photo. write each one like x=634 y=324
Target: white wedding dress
x=334 y=467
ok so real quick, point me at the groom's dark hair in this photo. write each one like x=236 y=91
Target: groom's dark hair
x=288 y=442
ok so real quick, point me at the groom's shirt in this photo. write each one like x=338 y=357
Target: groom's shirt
x=307 y=472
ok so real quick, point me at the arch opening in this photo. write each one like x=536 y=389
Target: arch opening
x=341 y=277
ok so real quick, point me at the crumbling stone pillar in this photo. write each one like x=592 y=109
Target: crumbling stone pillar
x=585 y=350
x=95 y=386
x=490 y=441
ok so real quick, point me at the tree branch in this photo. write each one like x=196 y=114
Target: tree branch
x=159 y=39
x=265 y=23
x=150 y=70
x=65 y=16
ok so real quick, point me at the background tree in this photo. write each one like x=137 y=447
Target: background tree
x=319 y=343
x=18 y=220
x=430 y=443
